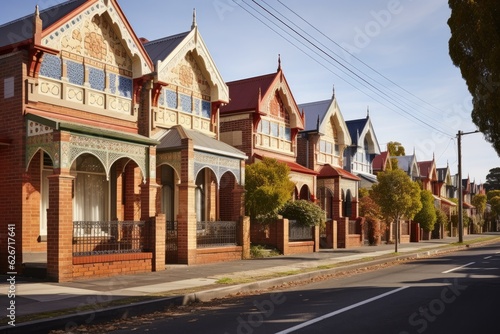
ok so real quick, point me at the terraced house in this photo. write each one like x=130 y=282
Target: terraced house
x=109 y=145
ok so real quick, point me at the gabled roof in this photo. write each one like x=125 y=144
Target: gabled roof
x=56 y=20
x=159 y=49
x=443 y=173
x=327 y=171
x=359 y=129
x=407 y=163
x=426 y=168
x=315 y=113
x=356 y=127
x=380 y=161
x=318 y=114
x=244 y=94
x=172 y=140
x=21 y=30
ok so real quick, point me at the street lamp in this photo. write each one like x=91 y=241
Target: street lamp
x=460 y=197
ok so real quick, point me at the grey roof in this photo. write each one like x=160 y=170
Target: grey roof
x=441 y=173
x=21 y=29
x=201 y=142
x=159 y=49
x=404 y=161
x=313 y=112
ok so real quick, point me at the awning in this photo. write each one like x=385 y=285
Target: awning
x=59 y=124
x=369 y=178
x=332 y=171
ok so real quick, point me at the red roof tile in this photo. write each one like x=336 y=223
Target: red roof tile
x=331 y=171
x=244 y=94
x=295 y=167
x=380 y=160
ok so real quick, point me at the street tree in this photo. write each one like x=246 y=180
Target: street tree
x=268 y=188
x=492 y=193
x=395 y=149
x=426 y=217
x=479 y=201
x=474 y=47
x=495 y=207
x=398 y=196
x=493 y=179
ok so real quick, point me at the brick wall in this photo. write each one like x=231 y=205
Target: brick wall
x=246 y=128
x=218 y=254
x=111 y=265
x=12 y=156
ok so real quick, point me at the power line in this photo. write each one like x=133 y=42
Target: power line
x=342 y=65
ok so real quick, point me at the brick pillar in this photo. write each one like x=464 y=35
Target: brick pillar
x=331 y=234
x=282 y=235
x=186 y=217
x=244 y=236
x=316 y=238
x=157 y=235
x=60 y=228
x=186 y=225
x=343 y=230
x=238 y=202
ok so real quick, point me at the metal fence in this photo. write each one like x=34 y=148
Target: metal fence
x=109 y=237
x=299 y=232
x=216 y=234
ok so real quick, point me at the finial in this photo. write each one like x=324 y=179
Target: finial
x=317 y=122
x=279 y=62
x=367 y=111
x=193 y=25
x=333 y=91
x=37 y=11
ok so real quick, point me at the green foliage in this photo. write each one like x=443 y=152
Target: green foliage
x=474 y=47
x=268 y=188
x=397 y=195
x=368 y=208
x=259 y=252
x=492 y=193
x=395 y=149
x=426 y=217
x=305 y=212
x=479 y=201
x=441 y=218
x=363 y=192
x=495 y=206
x=493 y=179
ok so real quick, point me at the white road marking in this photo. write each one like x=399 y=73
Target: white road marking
x=465 y=265
x=334 y=313
x=487 y=257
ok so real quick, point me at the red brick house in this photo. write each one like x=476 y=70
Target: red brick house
x=381 y=162
x=85 y=109
x=322 y=144
x=263 y=120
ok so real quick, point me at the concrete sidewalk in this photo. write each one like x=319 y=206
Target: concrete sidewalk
x=180 y=284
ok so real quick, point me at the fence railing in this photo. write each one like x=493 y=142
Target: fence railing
x=171 y=236
x=109 y=237
x=216 y=234
x=299 y=232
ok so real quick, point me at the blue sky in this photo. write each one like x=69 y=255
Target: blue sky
x=422 y=105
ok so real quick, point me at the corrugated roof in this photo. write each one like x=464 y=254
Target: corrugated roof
x=441 y=174
x=21 y=29
x=201 y=142
x=404 y=161
x=244 y=94
x=313 y=112
x=425 y=167
x=159 y=49
x=356 y=127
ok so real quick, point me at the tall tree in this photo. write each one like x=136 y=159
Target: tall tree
x=493 y=179
x=475 y=48
x=268 y=188
x=395 y=149
x=426 y=217
x=492 y=193
x=479 y=201
x=398 y=196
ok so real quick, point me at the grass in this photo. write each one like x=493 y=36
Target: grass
x=260 y=252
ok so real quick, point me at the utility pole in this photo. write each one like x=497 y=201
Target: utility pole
x=460 y=196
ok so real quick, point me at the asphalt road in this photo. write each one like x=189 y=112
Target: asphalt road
x=455 y=293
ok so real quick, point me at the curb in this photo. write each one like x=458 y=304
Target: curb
x=72 y=321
